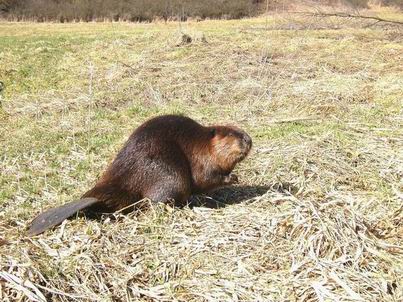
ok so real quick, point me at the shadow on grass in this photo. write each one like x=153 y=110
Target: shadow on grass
x=237 y=194
x=228 y=196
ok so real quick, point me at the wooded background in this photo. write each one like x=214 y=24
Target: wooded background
x=145 y=10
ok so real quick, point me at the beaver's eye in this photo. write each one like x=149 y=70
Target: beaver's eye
x=212 y=132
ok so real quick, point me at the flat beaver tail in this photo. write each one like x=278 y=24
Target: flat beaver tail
x=55 y=216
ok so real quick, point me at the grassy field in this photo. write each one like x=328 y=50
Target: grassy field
x=317 y=215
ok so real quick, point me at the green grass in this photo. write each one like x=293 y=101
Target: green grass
x=324 y=109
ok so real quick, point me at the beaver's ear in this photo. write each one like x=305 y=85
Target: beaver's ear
x=212 y=132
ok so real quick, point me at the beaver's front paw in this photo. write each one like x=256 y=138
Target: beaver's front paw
x=230 y=179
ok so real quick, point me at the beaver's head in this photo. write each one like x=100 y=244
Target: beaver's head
x=229 y=145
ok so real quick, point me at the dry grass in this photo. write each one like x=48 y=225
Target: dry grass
x=317 y=215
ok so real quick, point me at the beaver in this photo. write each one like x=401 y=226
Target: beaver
x=166 y=159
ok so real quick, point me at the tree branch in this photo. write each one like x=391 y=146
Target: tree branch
x=346 y=15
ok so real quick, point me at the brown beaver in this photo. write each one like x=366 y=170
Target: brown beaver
x=167 y=158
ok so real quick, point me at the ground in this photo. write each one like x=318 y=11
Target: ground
x=317 y=215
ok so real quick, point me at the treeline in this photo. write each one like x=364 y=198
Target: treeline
x=149 y=10
x=125 y=10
